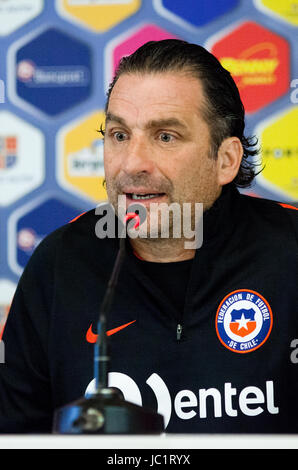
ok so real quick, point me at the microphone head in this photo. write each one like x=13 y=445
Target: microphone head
x=132 y=215
x=136 y=212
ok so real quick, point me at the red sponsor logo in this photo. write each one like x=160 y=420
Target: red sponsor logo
x=258 y=61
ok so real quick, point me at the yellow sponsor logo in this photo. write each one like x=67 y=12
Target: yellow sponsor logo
x=80 y=157
x=279 y=144
x=286 y=9
x=253 y=70
x=99 y=15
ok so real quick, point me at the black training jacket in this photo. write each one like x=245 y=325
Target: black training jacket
x=229 y=364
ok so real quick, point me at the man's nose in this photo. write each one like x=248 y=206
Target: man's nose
x=138 y=157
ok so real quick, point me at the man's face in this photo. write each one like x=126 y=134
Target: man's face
x=157 y=143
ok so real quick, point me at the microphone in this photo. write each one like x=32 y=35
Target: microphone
x=105 y=411
x=101 y=360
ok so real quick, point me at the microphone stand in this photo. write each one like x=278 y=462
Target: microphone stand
x=105 y=411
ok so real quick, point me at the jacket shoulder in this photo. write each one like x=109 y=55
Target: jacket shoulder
x=281 y=217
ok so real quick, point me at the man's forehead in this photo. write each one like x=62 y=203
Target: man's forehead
x=157 y=85
x=169 y=96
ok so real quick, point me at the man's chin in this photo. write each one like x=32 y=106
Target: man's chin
x=151 y=232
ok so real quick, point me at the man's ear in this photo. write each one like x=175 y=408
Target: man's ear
x=229 y=158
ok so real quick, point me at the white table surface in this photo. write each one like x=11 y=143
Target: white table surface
x=163 y=441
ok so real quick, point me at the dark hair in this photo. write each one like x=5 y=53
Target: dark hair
x=223 y=109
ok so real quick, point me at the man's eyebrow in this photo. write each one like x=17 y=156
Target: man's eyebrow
x=154 y=123
x=166 y=122
x=114 y=118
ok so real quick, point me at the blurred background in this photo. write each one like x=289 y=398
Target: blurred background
x=56 y=61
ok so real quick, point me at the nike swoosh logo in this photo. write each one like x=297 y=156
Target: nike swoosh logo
x=92 y=337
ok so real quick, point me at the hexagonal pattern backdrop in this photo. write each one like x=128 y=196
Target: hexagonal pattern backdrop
x=57 y=58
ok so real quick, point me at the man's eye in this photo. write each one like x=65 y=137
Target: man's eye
x=120 y=136
x=165 y=137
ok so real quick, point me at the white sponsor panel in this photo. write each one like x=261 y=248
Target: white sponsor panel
x=21 y=158
x=15 y=13
x=7 y=290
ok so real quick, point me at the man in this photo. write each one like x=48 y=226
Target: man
x=206 y=335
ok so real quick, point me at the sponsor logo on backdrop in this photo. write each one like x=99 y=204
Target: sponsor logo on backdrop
x=7 y=290
x=287 y=10
x=252 y=70
x=97 y=15
x=8 y=151
x=258 y=60
x=39 y=222
x=87 y=162
x=51 y=82
x=15 y=13
x=127 y=43
x=80 y=157
x=193 y=13
x=28 y=240
x=21 y=158
x=56 y=76
x=97 y=2
x=278 y=139
x=30 y=224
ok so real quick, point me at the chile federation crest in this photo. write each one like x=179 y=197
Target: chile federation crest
x=243 y=321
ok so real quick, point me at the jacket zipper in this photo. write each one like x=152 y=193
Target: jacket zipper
x=179 y=331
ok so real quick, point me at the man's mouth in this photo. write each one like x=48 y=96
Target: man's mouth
x=137 y=197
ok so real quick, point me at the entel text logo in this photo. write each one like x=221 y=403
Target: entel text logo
x=187 y=405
